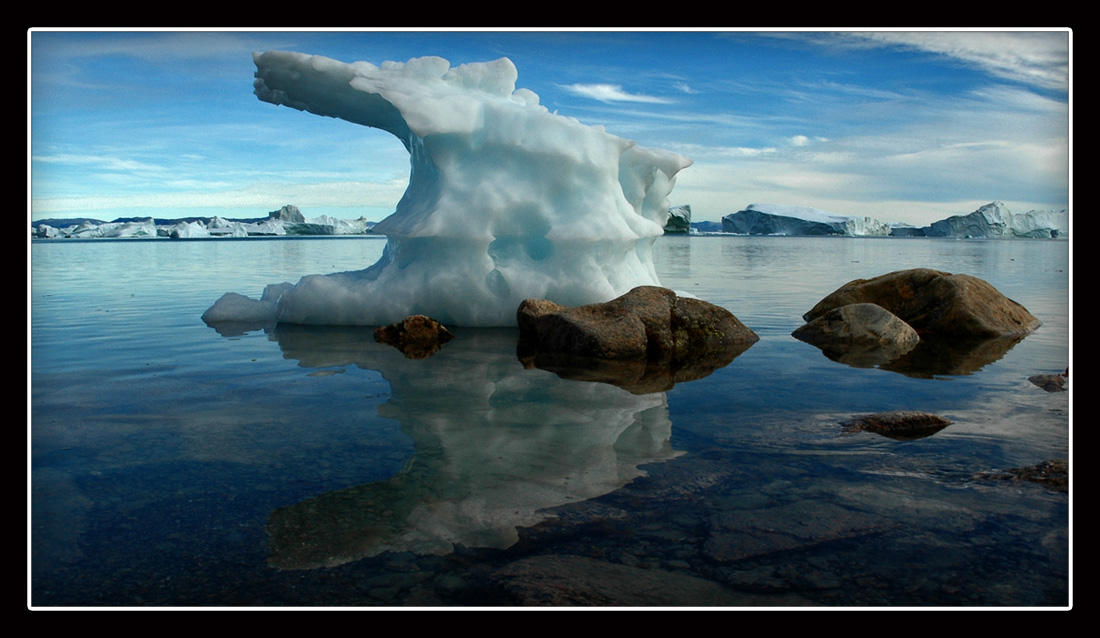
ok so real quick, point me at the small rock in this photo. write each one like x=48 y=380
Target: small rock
x=901 y=425
x=416 y=336
x=1051 y=382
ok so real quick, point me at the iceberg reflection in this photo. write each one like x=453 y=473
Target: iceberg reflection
x=495 y=445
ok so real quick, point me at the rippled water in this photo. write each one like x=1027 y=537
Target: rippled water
x=173 y=464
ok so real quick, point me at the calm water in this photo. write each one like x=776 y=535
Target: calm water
x=176 y=465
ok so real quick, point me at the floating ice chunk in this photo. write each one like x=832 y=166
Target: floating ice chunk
x=236 y=307
x=506 y=201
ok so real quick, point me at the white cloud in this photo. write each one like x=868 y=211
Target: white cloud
x=611 y=93
x=1038 y=58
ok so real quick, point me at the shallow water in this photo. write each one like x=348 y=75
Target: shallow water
x=174 y=465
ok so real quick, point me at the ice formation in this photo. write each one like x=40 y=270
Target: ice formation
x=995 y=220
x=505 y=201
x=782 y=219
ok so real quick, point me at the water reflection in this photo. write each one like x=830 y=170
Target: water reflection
x=930 y=357
x=636 y=376
x=494 y=445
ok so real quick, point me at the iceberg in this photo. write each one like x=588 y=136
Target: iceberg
x=679 y=219
x=996 y=221
x=136 y=228
x=189 y=230
x=506 y=200
x=782 y=219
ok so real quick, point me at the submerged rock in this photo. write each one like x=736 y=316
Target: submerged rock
x=1051 y=382
x=935 y=302
x=580 y=580
x=416 y=336
x=901 y=425
x=1052 y=474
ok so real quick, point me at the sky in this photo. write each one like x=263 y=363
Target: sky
x=903 y=126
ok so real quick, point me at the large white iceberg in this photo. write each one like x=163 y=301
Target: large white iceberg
x=505 y=201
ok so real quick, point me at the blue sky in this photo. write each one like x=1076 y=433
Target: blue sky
x=899 y=125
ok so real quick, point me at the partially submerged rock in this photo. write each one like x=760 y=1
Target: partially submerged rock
x=1051 y=382
x=859 y=334
x=648 y=322
x=645 y=341
x=902 y=425
x=1052 y=474
x=415 y=336
x=936 y=303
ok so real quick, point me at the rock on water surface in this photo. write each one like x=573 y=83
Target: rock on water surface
x=936 y=303
x=648 y=322
x=865 y=324
x=902 y=425
x=415 y=336
x=860 y=334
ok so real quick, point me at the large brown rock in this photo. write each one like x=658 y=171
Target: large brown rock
x=936 y=303
x=649 y=323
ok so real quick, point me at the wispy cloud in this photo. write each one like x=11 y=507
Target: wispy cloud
x=1037 y=58
x=611 y=93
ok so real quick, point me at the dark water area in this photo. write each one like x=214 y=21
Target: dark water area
x=175 y=465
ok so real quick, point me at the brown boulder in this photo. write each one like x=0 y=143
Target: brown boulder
x=861 y=334
x=416 y=336
x=649 y=322
x=935 y=302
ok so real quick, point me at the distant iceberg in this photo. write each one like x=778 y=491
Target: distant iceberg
x=994 y=220
x=782 y=219
x=288 y=220
x=679 y=220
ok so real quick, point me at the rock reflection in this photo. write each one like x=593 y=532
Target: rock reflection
x=951 y=356
x=635 y=376
x=932 y=356
x=495 y=444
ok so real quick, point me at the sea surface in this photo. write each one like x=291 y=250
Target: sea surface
x=173 y=464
